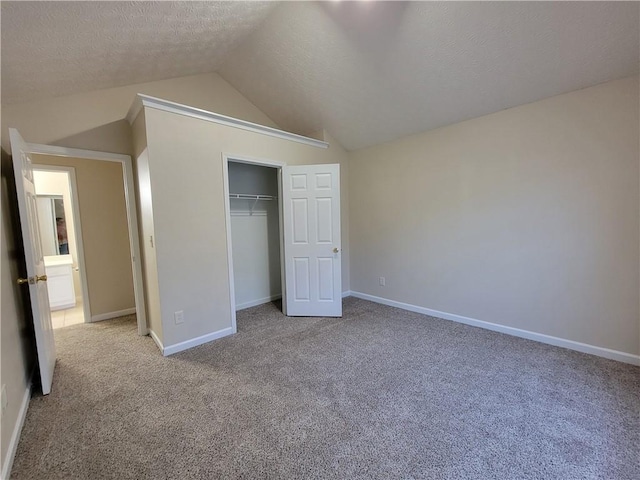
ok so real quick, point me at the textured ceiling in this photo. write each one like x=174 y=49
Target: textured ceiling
x=372 y=72
x=58 y=48
x=367 y=72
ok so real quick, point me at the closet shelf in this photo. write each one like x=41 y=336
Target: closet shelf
x=248 y=196
x=255 y=198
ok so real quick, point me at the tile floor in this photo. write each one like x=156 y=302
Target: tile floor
x=71 y=316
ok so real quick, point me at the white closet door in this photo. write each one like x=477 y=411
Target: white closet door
x=311 y=226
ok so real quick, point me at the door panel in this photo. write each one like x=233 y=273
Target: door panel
x=311 y=226
x=324 y=230
x=325 y=279
x=301 y=279
x=36 y=276
x=300 y=221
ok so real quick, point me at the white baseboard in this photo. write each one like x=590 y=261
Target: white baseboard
x=516 y=332
x=7 y=462
x=62 y=306
x=110 y=315
x=260 y=301
x=155 y=338
x=194 y=342
x=255 y=303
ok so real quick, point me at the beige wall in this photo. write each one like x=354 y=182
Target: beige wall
x=139 y=135
x=17 y=351
x=105 y=232
x=95 y=120
x=189 y=215
x=527 y=218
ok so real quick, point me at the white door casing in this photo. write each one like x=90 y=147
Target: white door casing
x=132 y=218
x=312 y=247
x=36 y=276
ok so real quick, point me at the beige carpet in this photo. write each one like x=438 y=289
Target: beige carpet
x=381 y=393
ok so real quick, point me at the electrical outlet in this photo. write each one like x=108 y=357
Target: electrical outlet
x=383 y=282
x=179 y=317
x=4 y=401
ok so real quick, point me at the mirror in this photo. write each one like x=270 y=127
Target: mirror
x=53 y=225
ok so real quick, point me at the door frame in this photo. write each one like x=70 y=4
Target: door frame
x=131 y=208
x=261 y=162
x=73 y=189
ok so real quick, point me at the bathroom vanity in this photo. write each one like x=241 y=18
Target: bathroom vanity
x=59 y=270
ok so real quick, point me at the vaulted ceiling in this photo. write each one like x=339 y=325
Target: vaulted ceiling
x=59 y=48
x=368 y=72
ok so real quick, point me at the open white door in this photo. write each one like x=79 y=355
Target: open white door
x=36 y=278
x=311 y=225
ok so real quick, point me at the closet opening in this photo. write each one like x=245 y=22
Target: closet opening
x=254 y=232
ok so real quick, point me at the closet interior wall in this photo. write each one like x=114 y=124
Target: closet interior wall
x=255 y=234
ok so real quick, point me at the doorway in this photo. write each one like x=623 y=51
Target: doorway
x=102 y=178
x=35 y=280
x=253 y=210
x=61 y=238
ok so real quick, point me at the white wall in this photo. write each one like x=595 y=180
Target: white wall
x=527 y=218
x=246 y=178
x=255 y=235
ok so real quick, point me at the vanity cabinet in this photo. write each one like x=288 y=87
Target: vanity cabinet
x=59 y=269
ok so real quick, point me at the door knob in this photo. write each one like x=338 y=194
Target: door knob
x=21 y=281
x=41 y=278
x=336 y=249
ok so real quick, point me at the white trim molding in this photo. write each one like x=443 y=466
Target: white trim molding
x=142 y=101
x=109 y=315
x=261 y=162
x=346 y=294
x=516 y=332
x=227 y=226
x=259 y=301
x=194 y=342
x=157 y=341
x=7 y=461
x=76 y=153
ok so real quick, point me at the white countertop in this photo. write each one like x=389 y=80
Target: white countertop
x=57 y=260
